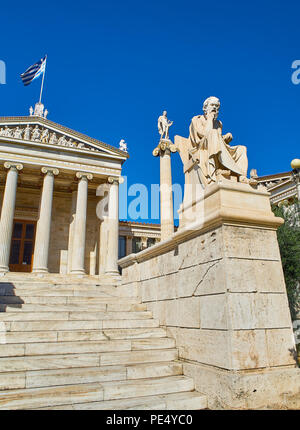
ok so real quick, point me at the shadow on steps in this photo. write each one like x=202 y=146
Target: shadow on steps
x=8 y=297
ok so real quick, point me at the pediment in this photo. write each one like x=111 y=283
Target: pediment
x=42 y=131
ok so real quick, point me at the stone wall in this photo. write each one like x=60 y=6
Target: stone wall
x=220 y=292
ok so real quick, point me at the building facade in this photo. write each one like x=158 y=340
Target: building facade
x=54 y=185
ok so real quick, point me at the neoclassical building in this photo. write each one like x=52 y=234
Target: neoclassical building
x=51 y=199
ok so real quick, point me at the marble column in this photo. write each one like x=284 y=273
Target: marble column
x=78 y=252
x=103 y=240
x=163 y=150
x=71 y=229
x=42 y=237
x=7 y=213
x=113 y=226
x=128 y=245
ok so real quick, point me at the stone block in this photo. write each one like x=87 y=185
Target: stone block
x=248 y=349
x=188 y=311
x=281 y=347
x=213 y=312
x=202 y=249
x=246 y=275
x=252 y=243
x=204 y=346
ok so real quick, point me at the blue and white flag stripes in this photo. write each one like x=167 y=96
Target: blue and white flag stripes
x=34 y=71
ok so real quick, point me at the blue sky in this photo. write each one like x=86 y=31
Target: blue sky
x=114 y=66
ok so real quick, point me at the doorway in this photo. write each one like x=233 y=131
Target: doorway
x=22 y=246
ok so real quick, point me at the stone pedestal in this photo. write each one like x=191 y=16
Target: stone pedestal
x=7 y=213
x=218 y=287
x=41 y=250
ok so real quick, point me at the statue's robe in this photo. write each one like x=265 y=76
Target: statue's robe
x=213 y=152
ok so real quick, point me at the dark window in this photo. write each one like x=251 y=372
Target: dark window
x=122 y=246
x=136 y=244
x=150 y=241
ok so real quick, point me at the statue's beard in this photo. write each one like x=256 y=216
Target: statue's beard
x=213 y=111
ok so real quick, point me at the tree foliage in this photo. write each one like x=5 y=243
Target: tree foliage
x=288 y=236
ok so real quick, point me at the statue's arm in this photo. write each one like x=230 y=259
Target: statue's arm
x=196 y=132
x=228 y=136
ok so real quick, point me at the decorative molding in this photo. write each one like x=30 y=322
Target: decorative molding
x=30 y=214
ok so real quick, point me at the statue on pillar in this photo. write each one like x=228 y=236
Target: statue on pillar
x=163 y=126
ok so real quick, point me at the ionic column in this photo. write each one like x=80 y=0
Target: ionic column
x=7 y=213
x=164 y=149
x=128 y=245
x=113 y=226
x=103 y=240
x=78 y=252
x=42 y=241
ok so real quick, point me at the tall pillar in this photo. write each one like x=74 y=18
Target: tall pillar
x=78 y=252
x=41 y=249
x=103 y=240
x=71 y=229
x=7 y=213
x=113 y=226
x=164 y=149
x=128 y=245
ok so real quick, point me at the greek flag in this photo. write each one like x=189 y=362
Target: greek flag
x=34 y=71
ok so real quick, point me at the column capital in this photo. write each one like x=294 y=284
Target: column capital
x=115 y=180
x=11 y=165
x=165 y=145
x=50 y=170
x=86 y=175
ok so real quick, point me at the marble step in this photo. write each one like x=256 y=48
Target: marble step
x=187 y=400
x=66 y=361
x=98 y=307
x=32 y=398
x=79 y=335
x=59 y=292
x=70 y=300
x=72 y=315
x=62 y=325
x=86 y=375
x=55 y=348
x=17 y=289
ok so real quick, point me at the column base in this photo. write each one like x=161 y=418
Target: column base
x=40 y=271
x=78 y=272
x=4 y=269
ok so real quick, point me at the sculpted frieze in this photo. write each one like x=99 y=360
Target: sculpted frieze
x=43 y=135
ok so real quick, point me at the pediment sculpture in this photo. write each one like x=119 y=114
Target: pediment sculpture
x=42 y=135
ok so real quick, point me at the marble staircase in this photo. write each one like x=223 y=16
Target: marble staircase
x=77 y=344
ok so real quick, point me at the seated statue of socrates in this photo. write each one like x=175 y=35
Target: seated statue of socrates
x=212 y=151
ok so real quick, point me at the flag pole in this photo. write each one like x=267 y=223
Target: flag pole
x=42 y=86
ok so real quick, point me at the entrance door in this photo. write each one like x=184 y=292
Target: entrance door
x=22 y=244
